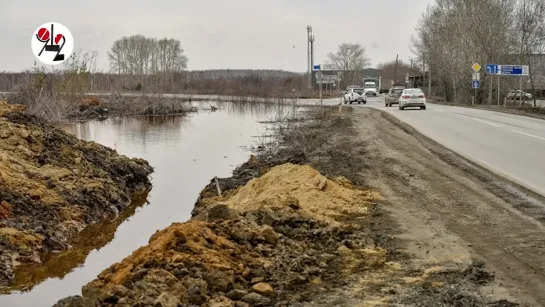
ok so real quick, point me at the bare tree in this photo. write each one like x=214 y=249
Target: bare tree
x=389 y=72
x=351 y=59
x=454 y=34
x=530 y=24
x=138 y=56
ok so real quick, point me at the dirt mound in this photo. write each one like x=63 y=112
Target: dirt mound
x=52 y=185
x=303 y=189
x=242 y=175
x=277 y=248
x=89 y=102
x=6 y=108
x=298 y=188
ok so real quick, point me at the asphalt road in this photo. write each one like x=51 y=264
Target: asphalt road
x=512 y=146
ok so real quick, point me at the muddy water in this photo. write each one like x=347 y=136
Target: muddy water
x=186 y=153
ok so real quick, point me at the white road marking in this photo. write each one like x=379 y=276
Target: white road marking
x=530 y=135
x=483 y=121
x=479 y=120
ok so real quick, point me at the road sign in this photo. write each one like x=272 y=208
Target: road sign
x=476 y=84
x=513 y=70
x=330 y=77
x=476 y=76
x=326 y=81
x=476 y=67
x=316 y=67
x=329 y=67
x=491 y=69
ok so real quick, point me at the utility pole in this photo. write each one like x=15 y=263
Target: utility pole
x=423 y=68
x=498 y=90
x=522 y=46
x=308 y=55
x=320 y=85
x=491 y=79
x=429 y=79
x=395 y=69
x=311 y=39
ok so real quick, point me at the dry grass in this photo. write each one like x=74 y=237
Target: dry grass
x=41 y=103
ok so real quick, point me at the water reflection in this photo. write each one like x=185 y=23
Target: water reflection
x=141 y=128
x=186 y=153
x=270 y=111
x=58 y=265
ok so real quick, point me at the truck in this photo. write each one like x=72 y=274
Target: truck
x=371 y=86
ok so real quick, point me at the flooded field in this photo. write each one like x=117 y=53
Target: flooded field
x=186 y=153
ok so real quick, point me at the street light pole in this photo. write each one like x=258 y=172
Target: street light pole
x=309 y=62
x=311 y=55
x=429 y=79
x=395 y=69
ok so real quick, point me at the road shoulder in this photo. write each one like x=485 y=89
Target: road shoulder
x=453 y=211
x=532 y=112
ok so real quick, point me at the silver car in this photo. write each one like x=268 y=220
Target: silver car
x=393 y=96
x=412 y=97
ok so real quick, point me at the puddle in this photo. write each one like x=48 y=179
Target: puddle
x=186 y=152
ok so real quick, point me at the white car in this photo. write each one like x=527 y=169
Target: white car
x=412 y=97
x=516 y=94
x=355 y=95
x=370 y=89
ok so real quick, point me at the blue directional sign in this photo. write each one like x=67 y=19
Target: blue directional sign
x=316 y=67
x=507 y=70
x=476 y=84
x=516 y=70
x=491 y=69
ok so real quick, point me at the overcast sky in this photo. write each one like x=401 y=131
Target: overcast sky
x=236 y=34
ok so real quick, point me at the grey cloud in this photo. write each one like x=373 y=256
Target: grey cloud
x=218 y=34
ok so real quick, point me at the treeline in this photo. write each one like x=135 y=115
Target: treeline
x=150 y=65
x=140 y=55
x=219 y=82
x=453 y=34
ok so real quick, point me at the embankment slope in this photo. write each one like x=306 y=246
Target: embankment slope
x=53 y=185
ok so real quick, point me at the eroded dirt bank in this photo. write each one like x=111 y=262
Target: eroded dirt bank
x=284 y=234
x=104 y=107
x=275 y=239
x=53 y=185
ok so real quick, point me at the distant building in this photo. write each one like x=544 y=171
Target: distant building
x=418 y=80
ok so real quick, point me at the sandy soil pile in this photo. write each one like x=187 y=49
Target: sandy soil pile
x=52 y=185
x=305 y=189
x=273 y=241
